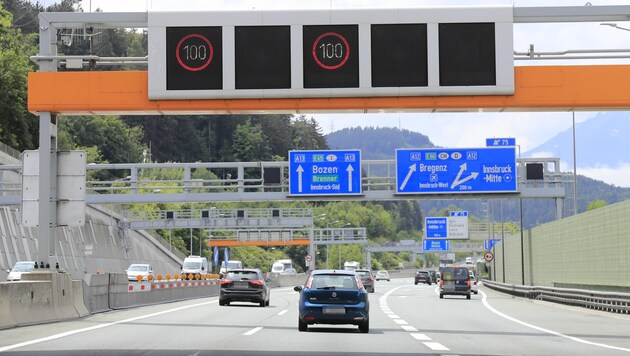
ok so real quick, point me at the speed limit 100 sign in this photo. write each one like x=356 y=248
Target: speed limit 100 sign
x=488 y=256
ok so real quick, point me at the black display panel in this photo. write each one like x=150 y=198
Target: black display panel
x=194 y=58
x=467 y=54
x=263 y=57
x=331 y=56
x=399 y=55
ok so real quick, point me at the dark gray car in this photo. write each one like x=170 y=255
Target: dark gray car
x=455 y=281
x=367 y=279
x=244 y=285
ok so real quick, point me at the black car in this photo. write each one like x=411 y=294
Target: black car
x=244 y=285
x=422 y=277
x=333 y=297
x=455 y=281
x=367 y=279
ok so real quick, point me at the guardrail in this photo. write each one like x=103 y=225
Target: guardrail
x=605 y=301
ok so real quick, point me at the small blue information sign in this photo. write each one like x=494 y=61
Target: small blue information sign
x=436 y=228
x=506 y=141
x=456 y=170
x=436 y=245
x=325 y=172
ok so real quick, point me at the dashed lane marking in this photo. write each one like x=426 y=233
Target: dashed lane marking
x=253 y=331
x=436 y=346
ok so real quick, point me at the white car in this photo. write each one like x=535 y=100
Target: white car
x=15 y=274
x=473 y=285
x=382 y=275
x=139 y=269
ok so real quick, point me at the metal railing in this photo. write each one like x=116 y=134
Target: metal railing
x=605 y=301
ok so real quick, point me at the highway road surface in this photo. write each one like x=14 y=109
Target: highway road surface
x=405 y=320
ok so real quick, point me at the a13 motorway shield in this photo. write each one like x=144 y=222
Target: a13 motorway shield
x=325 y=172
x=456 y=170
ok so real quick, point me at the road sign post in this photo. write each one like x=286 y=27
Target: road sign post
x=456 y=170
x=325 y=172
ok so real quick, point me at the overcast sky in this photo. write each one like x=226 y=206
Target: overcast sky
x=450 y=130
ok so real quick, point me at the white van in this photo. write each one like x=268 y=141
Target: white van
x=280 y=266
x=195 y=264
x=231 y=264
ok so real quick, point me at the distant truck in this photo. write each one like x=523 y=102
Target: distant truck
x=195 y=265
x=280 y=266
x=351 y=265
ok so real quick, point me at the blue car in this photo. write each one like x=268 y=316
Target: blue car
x=333 y=297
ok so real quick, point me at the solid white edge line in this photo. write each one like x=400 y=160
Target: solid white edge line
x=576 y=339
x=253 y=331
x=78 y=331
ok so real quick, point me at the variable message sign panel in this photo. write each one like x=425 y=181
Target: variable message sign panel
x=325 y=172
x=456 y=170
x=331 y=53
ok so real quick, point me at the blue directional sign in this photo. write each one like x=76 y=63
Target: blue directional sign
x=436 y=245
x=325 y=172
x=506 y=141
x=459 y=213
x=456 y=170
x=489 y=244
x=436 y=228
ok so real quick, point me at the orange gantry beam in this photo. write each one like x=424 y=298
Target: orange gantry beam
x=235 y=243
x=537 y=88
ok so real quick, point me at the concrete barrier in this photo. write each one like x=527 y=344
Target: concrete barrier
x=77 y=299
x=6 y=317
x=96 y=292
x=60 y=291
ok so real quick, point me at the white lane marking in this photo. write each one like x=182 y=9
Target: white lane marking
x=421 y=337
x=400 y=322
x=409 y=328
x=253 y=331
x=576 y=339
x=388 y=312
x=393 y=316
x=96 y=327
x=283 y=312
x=436 y=346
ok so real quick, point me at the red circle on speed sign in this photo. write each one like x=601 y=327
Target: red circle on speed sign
x=308 y=258
x=488 y=256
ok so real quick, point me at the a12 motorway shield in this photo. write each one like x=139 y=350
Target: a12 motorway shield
x=456 y=170
x=329 y=172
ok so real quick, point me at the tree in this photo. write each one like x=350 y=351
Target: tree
x=595 y=205
x=18 y=127
x=250 y=144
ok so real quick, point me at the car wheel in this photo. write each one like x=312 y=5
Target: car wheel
x=415 y=283
x=388 y=280
x=267 y=304
x=429 y=283
x=476 y=293
x=221 y=302
x=365 y=327
x=301 y=326
x=441 y=296
x=467 y=296
x=262 y=303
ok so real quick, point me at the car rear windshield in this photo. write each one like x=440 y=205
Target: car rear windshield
x=242 y=275
x=334 y=281
x=452 y=274
x=423 y=273
x=363 y=273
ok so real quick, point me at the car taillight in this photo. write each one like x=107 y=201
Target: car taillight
x=441 y=282
x=468 y=282
x=359 y=284
x=309 y=282
x=226 y=282
x=257 y=283
x=370 y=279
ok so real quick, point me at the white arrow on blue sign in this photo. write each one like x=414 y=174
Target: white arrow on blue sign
x=436 y=245
x=329 y=172
x=456 y=170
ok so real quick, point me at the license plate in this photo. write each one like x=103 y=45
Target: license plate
x=334 y=310
x=450 y=283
